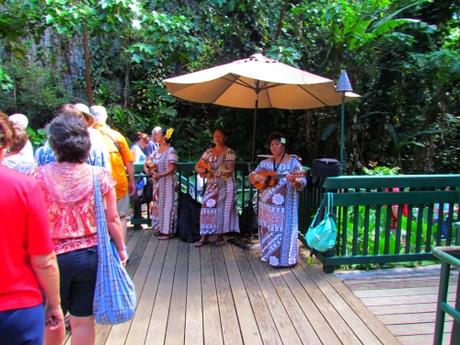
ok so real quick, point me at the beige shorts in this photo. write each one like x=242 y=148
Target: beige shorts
x=123 y=206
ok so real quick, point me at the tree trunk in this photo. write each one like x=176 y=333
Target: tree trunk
x=279 y=26
x=87 y=58
x=126 y=86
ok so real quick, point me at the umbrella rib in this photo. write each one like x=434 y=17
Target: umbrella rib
x=269 y=99
x=271 y=86
x=319 y=100
x=249 y=86
x=225 y=89
x=236 y=80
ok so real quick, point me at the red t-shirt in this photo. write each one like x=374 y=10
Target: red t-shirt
x=24 y=231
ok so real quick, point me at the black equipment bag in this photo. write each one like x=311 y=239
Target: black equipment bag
x=147 y=192
x=248 y=221
x=188 y=218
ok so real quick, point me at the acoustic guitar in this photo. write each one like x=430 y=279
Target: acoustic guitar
x=272 y=177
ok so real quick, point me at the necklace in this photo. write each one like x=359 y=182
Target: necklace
x=276 y=165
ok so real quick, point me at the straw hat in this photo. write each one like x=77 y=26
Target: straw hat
x=86 y=113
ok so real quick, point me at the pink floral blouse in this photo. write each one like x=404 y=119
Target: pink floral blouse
x=69 y=197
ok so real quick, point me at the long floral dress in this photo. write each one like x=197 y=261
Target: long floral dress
x=164 y=195
x=218 y=211
x=277 y=216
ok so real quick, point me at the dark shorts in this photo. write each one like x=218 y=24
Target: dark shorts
x=78 y=271
x=22 y=326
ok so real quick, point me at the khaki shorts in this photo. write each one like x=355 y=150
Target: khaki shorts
x=123 y=206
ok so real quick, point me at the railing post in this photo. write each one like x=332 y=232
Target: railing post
x=448 y=256
x=456 y=227
x=455 y=336
x=442 y=298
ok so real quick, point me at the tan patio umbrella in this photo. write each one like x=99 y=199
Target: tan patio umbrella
x=255 y=83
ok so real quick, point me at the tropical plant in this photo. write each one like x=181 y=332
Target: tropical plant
x=401 y=56
x=6 y=83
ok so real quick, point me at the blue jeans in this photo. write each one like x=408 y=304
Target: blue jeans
x=22 y=326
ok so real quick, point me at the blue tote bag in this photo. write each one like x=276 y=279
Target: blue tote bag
x=115 y=296
x=323 y=236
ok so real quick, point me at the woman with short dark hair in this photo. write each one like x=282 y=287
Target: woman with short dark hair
x=69 y=139
x=278 y=179
x=68 y=185
x=218 y=211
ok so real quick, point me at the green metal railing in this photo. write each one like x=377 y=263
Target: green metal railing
x=309 y=198
x=449 y=256
x=244 y=191
x=376 y=224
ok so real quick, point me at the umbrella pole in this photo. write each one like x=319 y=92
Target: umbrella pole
x=342 y=133
x=254 y=130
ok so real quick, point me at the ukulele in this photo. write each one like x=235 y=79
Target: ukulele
x=151 y=167
x=209 y=171
x=272 y=177
x=207 y=168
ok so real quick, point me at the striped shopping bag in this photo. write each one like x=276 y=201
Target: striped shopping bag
x=115 y=296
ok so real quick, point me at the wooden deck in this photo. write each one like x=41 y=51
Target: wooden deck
x=404 y=300
x=226 y=295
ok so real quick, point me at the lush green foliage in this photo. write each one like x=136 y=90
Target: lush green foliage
x=402 y=56
x=380 y=170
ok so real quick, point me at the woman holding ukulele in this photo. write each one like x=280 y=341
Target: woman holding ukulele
x=278 y=179
x=218 y=211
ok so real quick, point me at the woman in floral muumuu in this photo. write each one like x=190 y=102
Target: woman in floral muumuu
x=278 y=178
x=218 y=211
x=162 y=166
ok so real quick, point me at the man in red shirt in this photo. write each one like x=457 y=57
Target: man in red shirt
x=29 y=266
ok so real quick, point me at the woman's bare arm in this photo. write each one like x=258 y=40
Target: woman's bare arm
x=46 y=270
x=114 y=224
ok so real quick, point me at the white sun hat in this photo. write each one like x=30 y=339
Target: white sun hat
x=19 y=120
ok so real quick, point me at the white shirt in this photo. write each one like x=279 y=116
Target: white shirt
x=27 y=153
x=98 y=143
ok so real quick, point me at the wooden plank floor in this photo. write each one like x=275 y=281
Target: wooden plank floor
x=404 y=299
x=225 y=295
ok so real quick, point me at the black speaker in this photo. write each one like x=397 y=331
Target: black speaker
x=324 y=167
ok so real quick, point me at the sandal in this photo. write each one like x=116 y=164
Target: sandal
x=220 y=241
x=163 y=237
x=201 y=242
